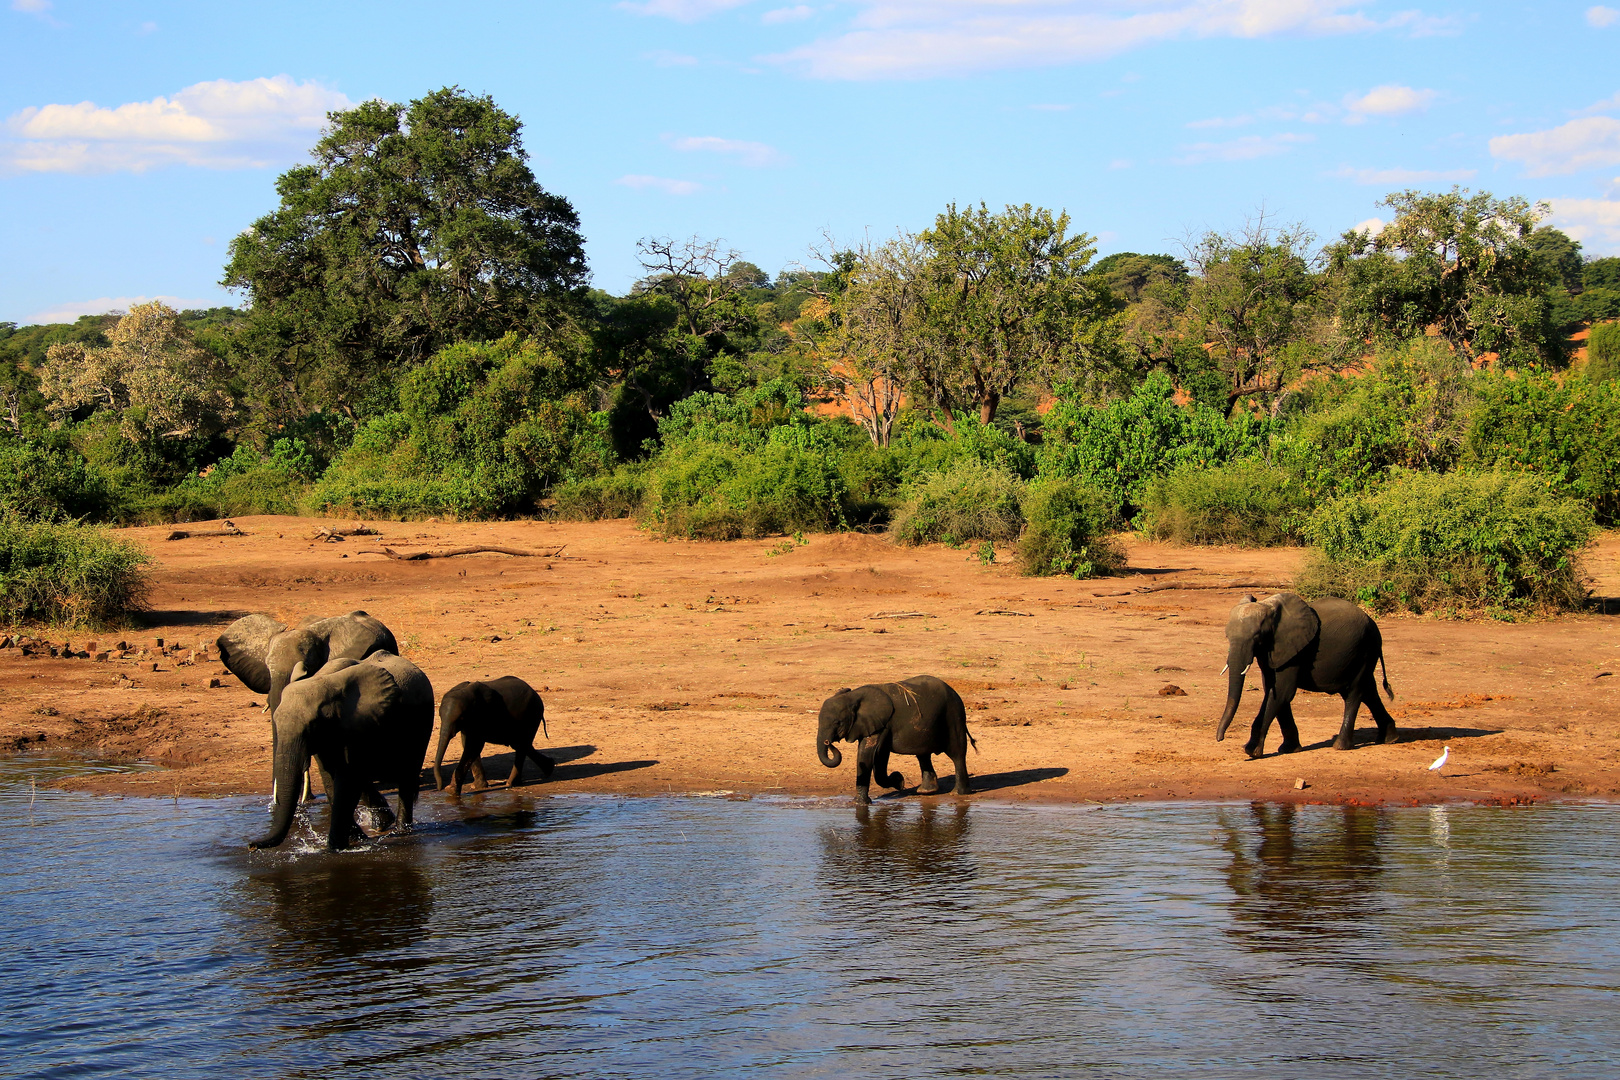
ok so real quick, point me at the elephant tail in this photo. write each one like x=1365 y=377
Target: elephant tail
x=971 y=741
x=1383 y=667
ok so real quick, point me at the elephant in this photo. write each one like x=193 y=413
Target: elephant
x=1328 y=646
x=921 y=716
x=263 y=652
x=363 y=721
x=505 y=711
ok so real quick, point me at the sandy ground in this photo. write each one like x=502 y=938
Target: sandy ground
x=682 y=667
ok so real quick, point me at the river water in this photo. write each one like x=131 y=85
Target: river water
x=582 y=936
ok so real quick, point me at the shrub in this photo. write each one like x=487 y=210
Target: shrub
x=1121 y=447
x=716 y=492
x=1603 y=352
x=1568 y=431
x=968 y=501
x=68 y=573
x=1246 y=502
x=1067 y=530
x=44 y=482
x=614 y=495
x=1461 y=540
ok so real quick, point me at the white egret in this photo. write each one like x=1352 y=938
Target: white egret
x=1441 y=760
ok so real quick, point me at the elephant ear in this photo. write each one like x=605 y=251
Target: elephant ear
x=244 y=647
x=873 y=711
x=1297 y=627
x=372 y=690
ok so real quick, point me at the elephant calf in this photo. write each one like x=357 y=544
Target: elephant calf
x=505 y=711
x=921 y=716
x=1329 y=646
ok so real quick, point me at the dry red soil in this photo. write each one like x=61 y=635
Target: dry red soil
x=678 y=667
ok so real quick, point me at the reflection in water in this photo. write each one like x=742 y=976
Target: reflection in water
x=690 y=938
x=1302 y=876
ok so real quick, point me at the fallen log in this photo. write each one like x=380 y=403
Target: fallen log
x=900 y=615
x=1004 y=611
x=1140 y=589
x=328 y=535
x=418 y=556
x=226 y=528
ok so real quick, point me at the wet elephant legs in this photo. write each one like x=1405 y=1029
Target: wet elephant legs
x=874 y=758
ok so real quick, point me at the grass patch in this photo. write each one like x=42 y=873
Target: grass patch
x=1067 y=531
x=970 y=500
x=68 y=573
x=1488 y=541
x=1248 y=503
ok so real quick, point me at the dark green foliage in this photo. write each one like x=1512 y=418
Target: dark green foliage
x=1120 y=447
x=1559 y=256
x=1410 y=411
x=1602 y=273
x=1603 y=352
x=708 y=491
x=1128 y=276
x=1598 y=303
x=1250 y=503
x=1067 y=530
x=68 y=573
x=46 y=483
x=1568 y=432
x=970 y=500
x=483 y=430
x=1425 y=541
x=612 y=495
x=416 y=227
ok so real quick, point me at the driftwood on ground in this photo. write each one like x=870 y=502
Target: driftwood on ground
x=418 y=556
x=226 y=528
x=326 y=534
x=1198 y=585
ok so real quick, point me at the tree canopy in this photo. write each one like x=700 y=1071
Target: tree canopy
x=416 y=226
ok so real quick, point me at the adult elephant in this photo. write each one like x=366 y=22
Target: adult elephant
x=505 y=711
x=921 y=716
x=263 y=653
x=363 y=722
x=1328 y=646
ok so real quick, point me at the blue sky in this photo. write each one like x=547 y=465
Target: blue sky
x=139 y=137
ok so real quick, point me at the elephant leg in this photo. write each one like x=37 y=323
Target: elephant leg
x=546 y=764
x=328 y=785
x=345 y=799
x=929 y=784
x=1262 y=723
x=1375 y=705
x=865 y=758
x=410 y=782
x=373 y=800
x=880 y=766
x=1290 y=730
x=515 y=777
x=472 y=756
x=1347 y=729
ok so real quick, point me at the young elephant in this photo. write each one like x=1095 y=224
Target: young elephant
x=363 y=722
x=1329 y=646
x=505 y=711
x=921 y=716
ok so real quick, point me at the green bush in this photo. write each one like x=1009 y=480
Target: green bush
x=1067 y=531
x=968 y=501
x=614 y=495
x=1247 y=502
x=1122 y=446
x=1568 y=431
x=1603 y=352
x=46 y=482
x=68 y=573
x=1426 y=541
x=707 y=491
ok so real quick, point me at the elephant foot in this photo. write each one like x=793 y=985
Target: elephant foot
x=547 y=767
x=1388 y=737
x=961 y=787
x=1289 y=748
x=263 y=843
x=862 y=799
x=1254 y=752
x=929 y=786
x=894 y=780
x=1342 y=743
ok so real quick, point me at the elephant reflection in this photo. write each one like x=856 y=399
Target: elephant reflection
x=324 y=907
x=1306 y=872
x=900 y=845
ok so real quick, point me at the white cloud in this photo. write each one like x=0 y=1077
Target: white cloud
x=925 y=38
x=1601 y=16
x=1371 y=227
x=1390 y=177
x=1390 y=99
x=682 y=10
x=756 y=154
x=641 y=182
x=1247 y=148
x=32 y=7
x=71 y=310
x=1594 y=222
x=1587 y=143
x=796 y=13
x=218 y=125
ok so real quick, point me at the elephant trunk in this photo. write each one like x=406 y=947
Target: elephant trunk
x=278 y=683
x=1237 y=669
x=292 y=762
x=447 y=731
x=829 y=754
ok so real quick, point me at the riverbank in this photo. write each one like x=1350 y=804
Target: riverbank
x=672 y=666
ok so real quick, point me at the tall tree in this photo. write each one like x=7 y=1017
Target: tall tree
x=417 y=225
x=1464 y=265
x=1005 y=297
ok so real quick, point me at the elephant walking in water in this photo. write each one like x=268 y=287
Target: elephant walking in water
x=267 y=656
x=1328 y=646
x=921 y=716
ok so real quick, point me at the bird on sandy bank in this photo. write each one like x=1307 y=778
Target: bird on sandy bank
x=1441 y=760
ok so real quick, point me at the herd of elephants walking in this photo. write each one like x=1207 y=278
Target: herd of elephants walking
x=338 y=692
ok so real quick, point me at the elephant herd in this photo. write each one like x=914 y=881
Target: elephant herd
x=339 y=693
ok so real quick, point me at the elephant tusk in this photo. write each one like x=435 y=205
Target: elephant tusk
x=1225 y=666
